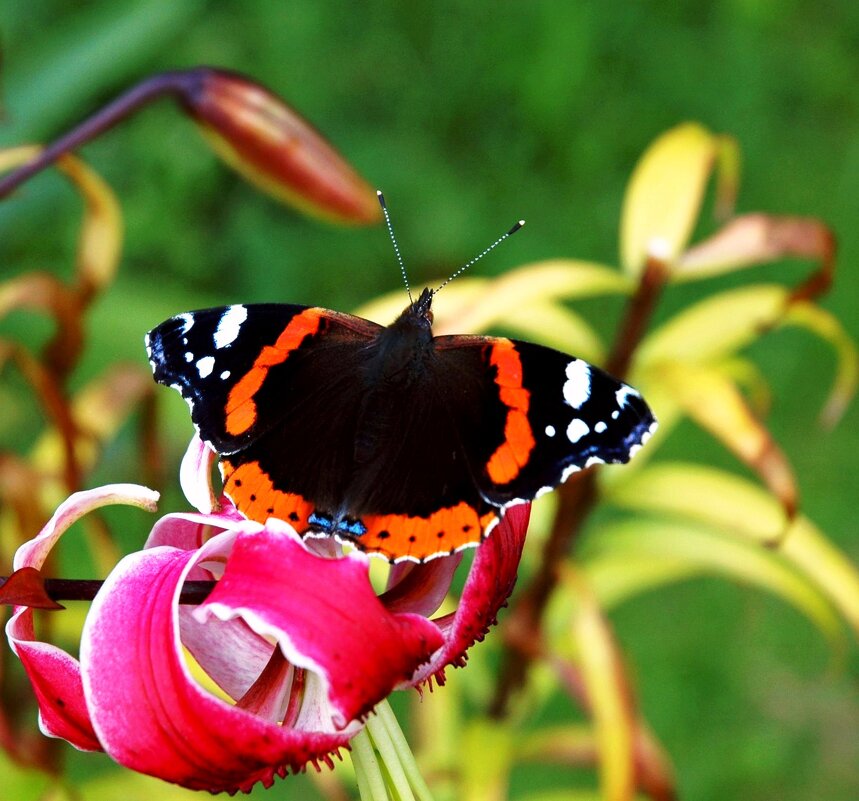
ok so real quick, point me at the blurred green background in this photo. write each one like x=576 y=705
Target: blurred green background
x=469 y=116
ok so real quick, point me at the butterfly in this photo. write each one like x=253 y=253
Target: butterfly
x=401 y=443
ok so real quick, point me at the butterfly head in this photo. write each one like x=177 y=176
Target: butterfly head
x=422 y=307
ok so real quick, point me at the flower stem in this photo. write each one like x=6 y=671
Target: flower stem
x=165 y=83
x=390 y=760
x=57 y=589
x=404 y=752
x=371 y=783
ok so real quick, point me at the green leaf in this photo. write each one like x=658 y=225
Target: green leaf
x=713 y=497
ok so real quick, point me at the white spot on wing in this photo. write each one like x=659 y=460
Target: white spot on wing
x=550 y=431
x=577 y=429
x=625 y=392
x=189 y=357
x=600 y=427
x=225 y=375
x=577 y=387
x=229 y=325
x=205 y=366
x=187 y=322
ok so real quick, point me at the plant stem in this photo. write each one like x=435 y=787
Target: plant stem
x=577 y=498
x=166 y=83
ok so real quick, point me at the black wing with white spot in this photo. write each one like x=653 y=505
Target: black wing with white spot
x=564 y=416
x=240 y=369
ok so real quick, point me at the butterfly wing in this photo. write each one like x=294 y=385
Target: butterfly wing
x=490 y=423
x=272 y=389
x=544 y=415
x=238 y=367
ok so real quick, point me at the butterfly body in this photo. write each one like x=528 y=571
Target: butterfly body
x=401 y=443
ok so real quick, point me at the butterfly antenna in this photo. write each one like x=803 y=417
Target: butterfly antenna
x=479 y=256
x=394 y=242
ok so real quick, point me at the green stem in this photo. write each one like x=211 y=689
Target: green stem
x=404 y=752
x=371 y=783
x=390 y=760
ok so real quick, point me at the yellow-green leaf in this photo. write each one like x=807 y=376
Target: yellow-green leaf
x=607 y=691
x=704 y=494
x=714 y=497
x=827 y=327
x=664 y=194
x=711 y=400
x=571 y=744
x=100 y=239
x=699 y=549
x=715 y=327
x=447 y=305
x=557 y=327
x=519 y=289
x=486 y=757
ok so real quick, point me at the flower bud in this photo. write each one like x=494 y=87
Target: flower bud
x=256 y=133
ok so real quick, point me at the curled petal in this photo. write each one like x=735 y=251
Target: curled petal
x=34 y=552
x=54 y=674
x=489 y=584
x=149 y=712
x=56 y=680
x=325 y=617
x=420 y=588
x=195 y=475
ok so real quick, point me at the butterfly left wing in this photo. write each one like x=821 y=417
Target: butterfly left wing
x=236 y=365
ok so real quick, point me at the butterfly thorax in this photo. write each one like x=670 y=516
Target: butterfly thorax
x=401 y=356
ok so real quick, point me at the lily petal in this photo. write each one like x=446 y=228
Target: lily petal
x=195 y=475
x=148 y=711
x=324 y=615
x=489 y=584
x=55 y=674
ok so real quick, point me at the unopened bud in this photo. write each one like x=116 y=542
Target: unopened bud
x=256 y=133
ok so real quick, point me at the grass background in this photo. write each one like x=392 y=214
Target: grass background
x=469 y=116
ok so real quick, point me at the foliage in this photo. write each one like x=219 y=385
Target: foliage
x=549 y=144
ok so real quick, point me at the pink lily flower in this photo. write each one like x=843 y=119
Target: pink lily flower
x=296 y=646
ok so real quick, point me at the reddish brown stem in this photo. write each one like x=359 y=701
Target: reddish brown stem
x=576 y=500
x=166 y=83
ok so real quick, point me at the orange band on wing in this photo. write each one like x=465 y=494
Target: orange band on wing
x=241 y=407
x=512 y=454
x=445 y=531
x=254 y=495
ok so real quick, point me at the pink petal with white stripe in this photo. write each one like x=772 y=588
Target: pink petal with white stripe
x=54 y=674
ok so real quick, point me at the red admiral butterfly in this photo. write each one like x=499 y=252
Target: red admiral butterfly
x=386 y=437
